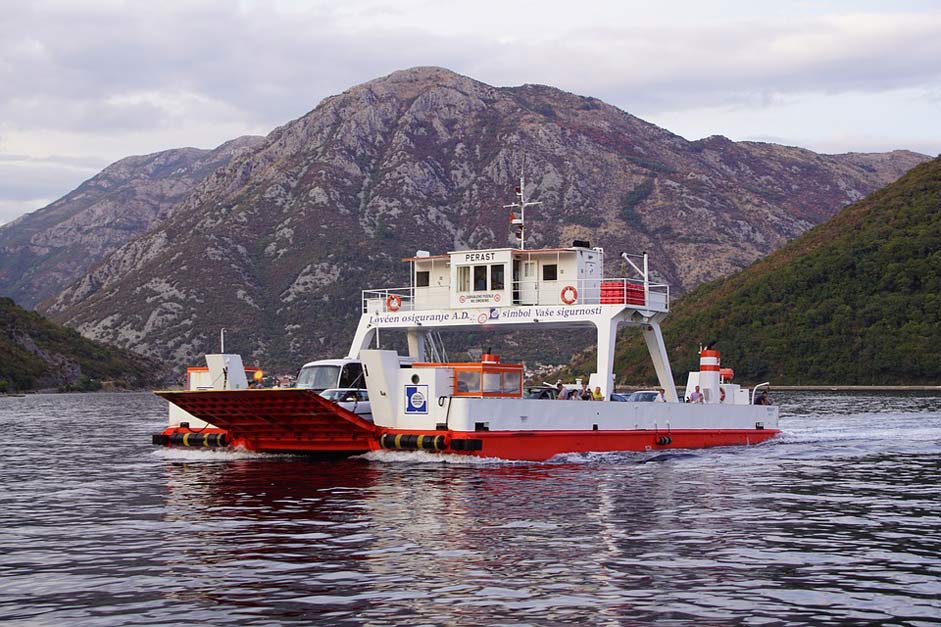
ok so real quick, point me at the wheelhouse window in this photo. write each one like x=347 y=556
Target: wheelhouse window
x=496 y=277
x=463 y=278
x=422 y=278
x=550 y=272
x=480 y=278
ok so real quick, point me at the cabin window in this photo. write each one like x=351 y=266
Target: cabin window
x=491 y=382
x=463 y=278
x=480 y=278
x=511 y=382
x=423 y=278
x=468 y=381
x=550 y=272
x=496 y=277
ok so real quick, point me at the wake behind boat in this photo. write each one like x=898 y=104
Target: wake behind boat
x=424 y=402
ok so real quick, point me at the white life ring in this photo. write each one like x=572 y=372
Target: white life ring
x=569 y=300
x=393 y=302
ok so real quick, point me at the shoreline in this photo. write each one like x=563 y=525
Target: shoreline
x=819 y=388
x=857 y=388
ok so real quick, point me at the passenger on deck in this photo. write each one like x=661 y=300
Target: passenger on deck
x=762 y=399
x=660 y=397
x=697 y=396
x=560 y=394
x=585 y=394
x=597 y=395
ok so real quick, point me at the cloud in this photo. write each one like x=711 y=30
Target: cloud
x=103 y=66
x=29 y=180
x=85 y=163
x=12 y=209
x=109 y=78
x=738 y=62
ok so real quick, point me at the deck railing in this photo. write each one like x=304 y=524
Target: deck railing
x=608 y=291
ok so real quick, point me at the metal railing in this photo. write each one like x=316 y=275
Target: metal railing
x=607 y=291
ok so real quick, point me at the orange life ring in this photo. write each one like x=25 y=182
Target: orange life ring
x=393 y=302
x=569 y=300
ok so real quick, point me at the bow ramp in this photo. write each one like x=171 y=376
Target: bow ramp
x=278 y=420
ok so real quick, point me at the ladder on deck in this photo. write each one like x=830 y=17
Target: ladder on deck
x=434 y=348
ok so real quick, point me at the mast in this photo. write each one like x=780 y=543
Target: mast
x=520 y=222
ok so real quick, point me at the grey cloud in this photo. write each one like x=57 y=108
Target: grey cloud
x=87 y=164
x=21 y=182
x=10 y=210
x=262 y=66
x=740 y=62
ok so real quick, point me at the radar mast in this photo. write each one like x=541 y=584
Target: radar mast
x=519 y=222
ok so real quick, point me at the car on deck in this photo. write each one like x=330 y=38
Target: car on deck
x=355 y=400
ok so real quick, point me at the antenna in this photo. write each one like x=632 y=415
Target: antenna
x=520 y=222
x=222 y=340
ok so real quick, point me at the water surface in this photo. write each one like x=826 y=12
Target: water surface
x=836 y=522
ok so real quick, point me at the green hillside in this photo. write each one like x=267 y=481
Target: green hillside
x=856 y=300
x=36 y=353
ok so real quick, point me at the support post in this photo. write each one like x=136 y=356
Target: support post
x=363 y=338
x=661 y=363
x=416 y=344
x=607 y=337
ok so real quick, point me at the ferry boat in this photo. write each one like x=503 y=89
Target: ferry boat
x=422 y=401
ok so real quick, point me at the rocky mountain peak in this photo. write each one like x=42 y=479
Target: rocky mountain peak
x=276 y=244
x=43 y=252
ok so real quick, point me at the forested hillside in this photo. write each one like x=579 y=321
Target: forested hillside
x=37 y=353
x=856 y=300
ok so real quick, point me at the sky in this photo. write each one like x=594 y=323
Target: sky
x=84 y=83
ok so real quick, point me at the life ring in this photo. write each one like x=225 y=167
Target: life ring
x=569 y=300
x=393 y=302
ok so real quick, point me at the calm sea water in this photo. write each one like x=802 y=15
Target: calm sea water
x=837 y=522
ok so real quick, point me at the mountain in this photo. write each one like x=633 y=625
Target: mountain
x=43 y=252
x=36 y=353
x=278 y=243
x=854 y=301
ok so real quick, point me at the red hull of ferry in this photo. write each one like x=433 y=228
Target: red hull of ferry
x=543 y=445
x=300 y=421
x=508 y=445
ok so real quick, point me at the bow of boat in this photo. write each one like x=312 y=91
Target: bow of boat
x=274 y=420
